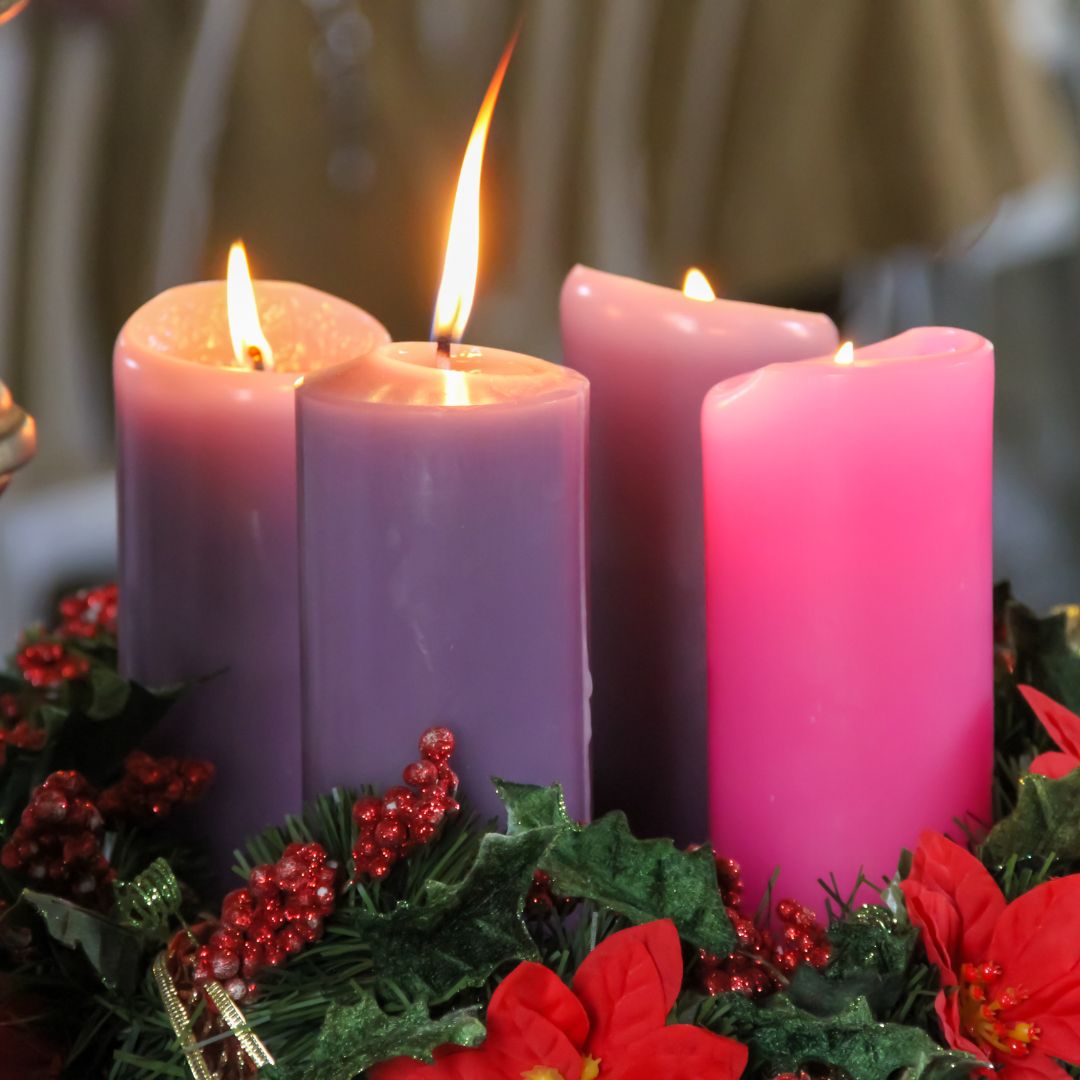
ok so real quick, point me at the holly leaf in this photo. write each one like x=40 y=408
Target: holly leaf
x=109 y=693
x=354 y=1037
x=640 y=879
x=871 y=950
x=1045 y=821
x=114 y=952
x=458 y=935
x=786 y=1039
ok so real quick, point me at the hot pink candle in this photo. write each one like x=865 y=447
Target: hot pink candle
x=651 y=354
x=849 y=586
x=208 y=532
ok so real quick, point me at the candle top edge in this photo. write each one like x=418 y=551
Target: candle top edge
x=588 y=285
x=414 y=374
x=309 y=329
x=911 y=350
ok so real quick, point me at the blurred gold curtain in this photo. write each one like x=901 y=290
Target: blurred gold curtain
x=771 y=141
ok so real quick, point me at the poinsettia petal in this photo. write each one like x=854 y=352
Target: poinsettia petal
x=628 y=984
x=533 y=1020
x=1054 y=765
x=937 y=919
x=947 y=1007
x=1037 y=944
x=1062 y=725
x=678 y=1052
x=943 y=866
x=1035 y=1067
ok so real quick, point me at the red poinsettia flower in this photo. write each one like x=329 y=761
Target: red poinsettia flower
x=1063 y=727
x=612 y=1025
x=1010 y=973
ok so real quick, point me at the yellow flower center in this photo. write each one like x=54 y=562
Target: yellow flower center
x=590 y=1070
x=981 y=1004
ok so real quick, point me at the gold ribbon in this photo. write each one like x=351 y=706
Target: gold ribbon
x=179 y=1020
x=150 y=899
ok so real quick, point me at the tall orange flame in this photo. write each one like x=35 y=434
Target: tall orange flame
x=250 y=346
x=9 y=10
x=457 y=289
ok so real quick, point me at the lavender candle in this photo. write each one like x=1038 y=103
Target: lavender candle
x=208 y=559
x=442 y=553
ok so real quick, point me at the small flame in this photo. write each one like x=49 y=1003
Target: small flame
x=845 y=354
x=11 y=8
x=456 y=388
x=458 y=286
x=696 y=285
x=250 y=346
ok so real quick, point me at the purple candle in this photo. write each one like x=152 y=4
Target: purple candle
x=651 y=354
x=208 y=534
x=442 y=554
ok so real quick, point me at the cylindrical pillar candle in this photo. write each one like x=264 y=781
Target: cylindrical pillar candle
x=208 y=534
x=847 y=511
x=651 y=354
x=442 y=553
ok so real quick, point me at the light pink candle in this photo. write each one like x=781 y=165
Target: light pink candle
x=651 y=354
x=849 y=582
x=209 y=571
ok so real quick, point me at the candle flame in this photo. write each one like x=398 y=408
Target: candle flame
x=458 y=286
x=11 y=8
x=696 y=285
x=250 y=346
x=845 y=354
x=456 y=388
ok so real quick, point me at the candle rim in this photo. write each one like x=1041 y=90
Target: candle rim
x=869 y=361
x=136 y=332
x=345 y=382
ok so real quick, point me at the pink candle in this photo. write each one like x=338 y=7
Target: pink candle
x=849 y=581
x=208 y=530
x=651 y=354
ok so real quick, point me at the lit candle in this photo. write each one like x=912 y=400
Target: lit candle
x=208 y=548
x=651 y=354
x=847 y=511
x=443 y=539
x=18 y=437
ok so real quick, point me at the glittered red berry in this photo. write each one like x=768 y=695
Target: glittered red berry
x=437 y=744
x=47 y=664
x=89 y=612
x=420 y=774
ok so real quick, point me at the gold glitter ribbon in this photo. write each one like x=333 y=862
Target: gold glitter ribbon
x=148 y=902
x=150 y=899
x=179 y=1020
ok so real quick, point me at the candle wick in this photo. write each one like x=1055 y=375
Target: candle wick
x=256 y=357
x=442 y=350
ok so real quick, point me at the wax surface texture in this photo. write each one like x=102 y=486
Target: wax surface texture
x=848 y=538
x=208 y=532
x=651 y=354
x=443 y=569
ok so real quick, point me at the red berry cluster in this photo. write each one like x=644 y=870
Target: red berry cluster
x=407 y=817
x=16 y=730
x=151 y=787
x=57 y=843
x=279 y=913
x=542 y=898
x=761 y=962
x=48 y=663
x=89 y=612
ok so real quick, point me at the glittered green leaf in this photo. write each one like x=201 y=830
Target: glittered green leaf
x=113 y=951
x=459 y=935
x=532 y=807
x=1046 y=820
x=783 y=1038
x=871 y=949
x=641 y=879
x=355 y=1037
